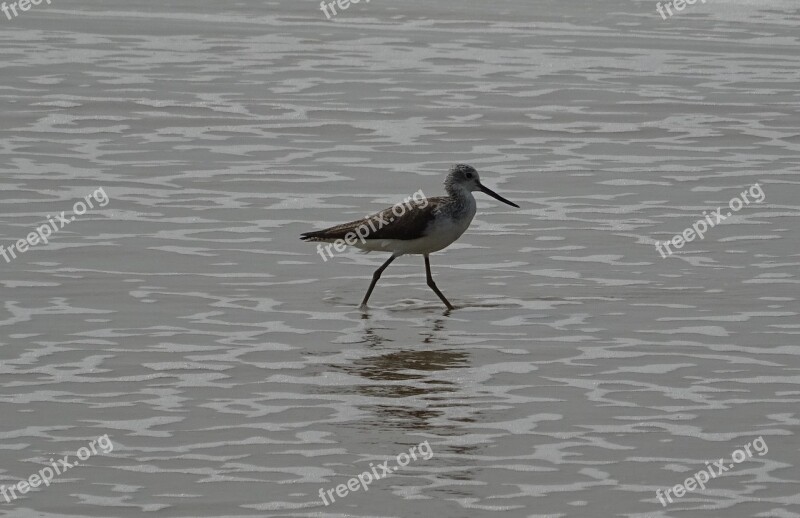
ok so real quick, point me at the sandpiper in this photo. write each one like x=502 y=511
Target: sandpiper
x=426 y=227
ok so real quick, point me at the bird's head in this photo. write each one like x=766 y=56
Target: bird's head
x=463 y=177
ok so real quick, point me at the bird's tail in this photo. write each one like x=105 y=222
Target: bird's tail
x=325 y=236
x=331 y=234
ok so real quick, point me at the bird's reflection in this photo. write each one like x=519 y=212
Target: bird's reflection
x=405 y=388
x=408 y=372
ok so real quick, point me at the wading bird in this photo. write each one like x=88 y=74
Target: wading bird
x=427 y=226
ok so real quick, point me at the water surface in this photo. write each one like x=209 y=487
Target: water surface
x=231 y=366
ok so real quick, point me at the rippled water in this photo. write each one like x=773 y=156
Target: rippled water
x=231 y=367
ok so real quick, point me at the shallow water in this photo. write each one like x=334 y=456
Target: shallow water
x=229 y=364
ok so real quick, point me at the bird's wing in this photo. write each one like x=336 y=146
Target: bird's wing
x=412 y=223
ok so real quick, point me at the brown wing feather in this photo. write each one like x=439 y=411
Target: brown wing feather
x=410 y=225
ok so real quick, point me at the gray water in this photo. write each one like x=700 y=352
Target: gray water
x=231 y=367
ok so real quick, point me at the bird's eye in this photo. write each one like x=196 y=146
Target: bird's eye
x=469 y=176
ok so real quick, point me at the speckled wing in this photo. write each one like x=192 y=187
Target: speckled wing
x=411 y=224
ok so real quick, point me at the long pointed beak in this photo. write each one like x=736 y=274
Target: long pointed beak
x=496 y=196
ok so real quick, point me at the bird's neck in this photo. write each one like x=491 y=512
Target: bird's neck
x=460 y=200
x=456 y=192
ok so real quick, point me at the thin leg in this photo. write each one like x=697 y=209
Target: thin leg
x=375 y=277
x=432 y=284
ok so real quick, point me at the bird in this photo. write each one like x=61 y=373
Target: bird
x=421 y=226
